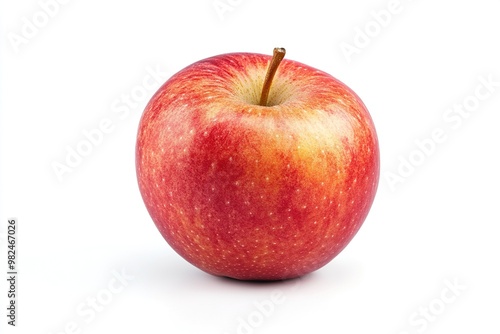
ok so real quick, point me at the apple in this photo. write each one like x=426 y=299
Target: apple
x=256 y=168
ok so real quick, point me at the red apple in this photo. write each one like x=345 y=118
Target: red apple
x=254 y=187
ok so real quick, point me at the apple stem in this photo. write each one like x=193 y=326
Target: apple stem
x=278 y=55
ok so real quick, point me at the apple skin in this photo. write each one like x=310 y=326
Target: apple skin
x=256 y=192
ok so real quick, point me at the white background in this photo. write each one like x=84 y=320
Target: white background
x=437 y=228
